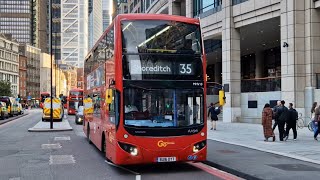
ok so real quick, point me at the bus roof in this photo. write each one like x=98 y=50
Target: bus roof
x=44 y=93
x=141 y=16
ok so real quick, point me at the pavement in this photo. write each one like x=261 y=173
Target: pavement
x=44 y=126
x=12 y=118
x=238 y=148
x=251 y=136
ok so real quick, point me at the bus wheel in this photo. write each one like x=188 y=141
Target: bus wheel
x=103 y=144
x=88 y=134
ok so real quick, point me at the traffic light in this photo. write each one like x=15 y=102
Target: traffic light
x=222 y=98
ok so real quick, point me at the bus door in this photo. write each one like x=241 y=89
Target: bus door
x=194 y=109
x=112 y=100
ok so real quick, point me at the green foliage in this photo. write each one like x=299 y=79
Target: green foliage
x=5 y=88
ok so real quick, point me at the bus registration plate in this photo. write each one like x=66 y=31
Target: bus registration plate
x=166 y=159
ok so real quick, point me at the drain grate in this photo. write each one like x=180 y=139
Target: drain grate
x=225 y=151
x=61 y=159
x=50 y=146
x=66 y=138
x=294 y=167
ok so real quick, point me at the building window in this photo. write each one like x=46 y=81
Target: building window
x=203 y=8
x=235 y=2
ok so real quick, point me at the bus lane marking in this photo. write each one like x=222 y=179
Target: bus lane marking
x=214 y=171
x=138 y=175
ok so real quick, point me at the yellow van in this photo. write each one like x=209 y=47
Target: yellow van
x=58 y=111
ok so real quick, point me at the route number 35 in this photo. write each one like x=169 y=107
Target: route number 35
x=185 y=69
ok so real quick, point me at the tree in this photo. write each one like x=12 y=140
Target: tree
x=5 y=88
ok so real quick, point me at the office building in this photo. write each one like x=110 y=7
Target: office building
x=261 y=51
x=95 y=21
x=9 y=62
x=74 y=32
x=33 y=69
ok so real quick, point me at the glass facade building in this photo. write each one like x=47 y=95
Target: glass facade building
x=16 y=18
x=74 y=32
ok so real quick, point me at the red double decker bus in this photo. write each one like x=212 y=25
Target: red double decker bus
x=146 y=78
x=75 y=100
x=43 y=96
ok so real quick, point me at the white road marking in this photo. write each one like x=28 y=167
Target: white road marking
x=138 y=175
x=51 y=146
x=14 y=178
x=66 y=138
x=61 y=159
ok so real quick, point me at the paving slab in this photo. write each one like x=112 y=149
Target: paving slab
x=253 y=164
x=251 y=136
x=57 y=126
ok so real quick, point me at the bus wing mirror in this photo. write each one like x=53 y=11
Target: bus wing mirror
x=222 y=98
x=109 y=96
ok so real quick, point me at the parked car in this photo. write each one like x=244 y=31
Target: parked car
x=3 y=110
x=79 y=115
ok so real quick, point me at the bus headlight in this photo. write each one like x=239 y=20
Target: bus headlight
x=198 y=146
x=129 y=148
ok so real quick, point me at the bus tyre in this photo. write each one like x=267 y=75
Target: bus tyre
x=103 y=145
x=88 y=135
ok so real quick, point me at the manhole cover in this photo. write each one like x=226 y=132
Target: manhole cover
x=61 y=159
x=225 y=151
x=294 y=167
x=50 y=146
x=67 y=138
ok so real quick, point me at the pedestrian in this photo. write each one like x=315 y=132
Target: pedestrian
x=267 y=123
x=282 y=112
x=275 y=115
x=213 y=111
x=291 y=122
x=317 y=122
x=314 y=105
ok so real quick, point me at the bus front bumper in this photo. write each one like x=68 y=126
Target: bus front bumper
x=148 y=156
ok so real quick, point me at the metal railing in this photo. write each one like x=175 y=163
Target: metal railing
x=261 y=84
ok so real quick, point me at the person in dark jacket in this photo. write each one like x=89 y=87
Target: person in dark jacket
x=291 y=122
x=213 y=111
x=275 y=114
x=282 y=114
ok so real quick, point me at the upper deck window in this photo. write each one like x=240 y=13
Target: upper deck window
x=146 y=36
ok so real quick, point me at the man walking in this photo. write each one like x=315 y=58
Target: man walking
x=282 y=119
x=292 y=122
x=275 y=109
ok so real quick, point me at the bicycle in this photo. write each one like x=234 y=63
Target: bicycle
x=300 y=121
x=311 y=126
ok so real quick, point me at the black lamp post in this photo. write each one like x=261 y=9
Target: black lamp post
x=50 y=40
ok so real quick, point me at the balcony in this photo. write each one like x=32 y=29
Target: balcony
x=261 y=84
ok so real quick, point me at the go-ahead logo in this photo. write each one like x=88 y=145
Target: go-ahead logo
x=163 y=143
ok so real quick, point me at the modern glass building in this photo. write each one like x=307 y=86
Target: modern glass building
x=74 y=32
x=16 y=18
x=95 y=21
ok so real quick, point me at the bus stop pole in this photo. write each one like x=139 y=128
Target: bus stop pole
x=50 y=40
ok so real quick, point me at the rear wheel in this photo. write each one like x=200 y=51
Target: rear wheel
x=88 y=134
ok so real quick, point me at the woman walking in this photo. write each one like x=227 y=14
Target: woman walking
x=267 y=123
